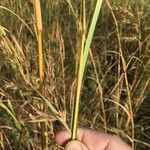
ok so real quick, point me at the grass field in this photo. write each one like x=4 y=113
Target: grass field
x=115 y=95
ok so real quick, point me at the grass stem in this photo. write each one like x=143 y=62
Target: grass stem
x=44 y=138
x=83 y=59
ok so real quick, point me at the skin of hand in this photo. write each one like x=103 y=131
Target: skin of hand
x=91 y=140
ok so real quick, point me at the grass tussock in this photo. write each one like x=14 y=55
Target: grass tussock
x=115 y=88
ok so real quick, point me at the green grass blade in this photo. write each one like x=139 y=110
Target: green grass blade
x=11 y=113
x=90 y=34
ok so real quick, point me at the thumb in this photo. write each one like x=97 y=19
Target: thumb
x=75 y=145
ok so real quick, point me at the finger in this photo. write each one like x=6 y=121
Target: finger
x=93 y=139
x=75 y=145
x=62 y=137
x=98 y=140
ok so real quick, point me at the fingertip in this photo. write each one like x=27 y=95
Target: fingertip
x=62 y=137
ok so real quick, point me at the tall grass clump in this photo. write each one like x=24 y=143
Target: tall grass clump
x=86 y=64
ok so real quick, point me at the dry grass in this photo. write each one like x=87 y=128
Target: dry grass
x=115 y=93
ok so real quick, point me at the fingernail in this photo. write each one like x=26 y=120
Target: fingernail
x=73 y=146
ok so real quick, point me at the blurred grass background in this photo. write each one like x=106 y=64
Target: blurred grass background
x=116 y=90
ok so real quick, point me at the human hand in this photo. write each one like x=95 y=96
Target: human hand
x=91 y=140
